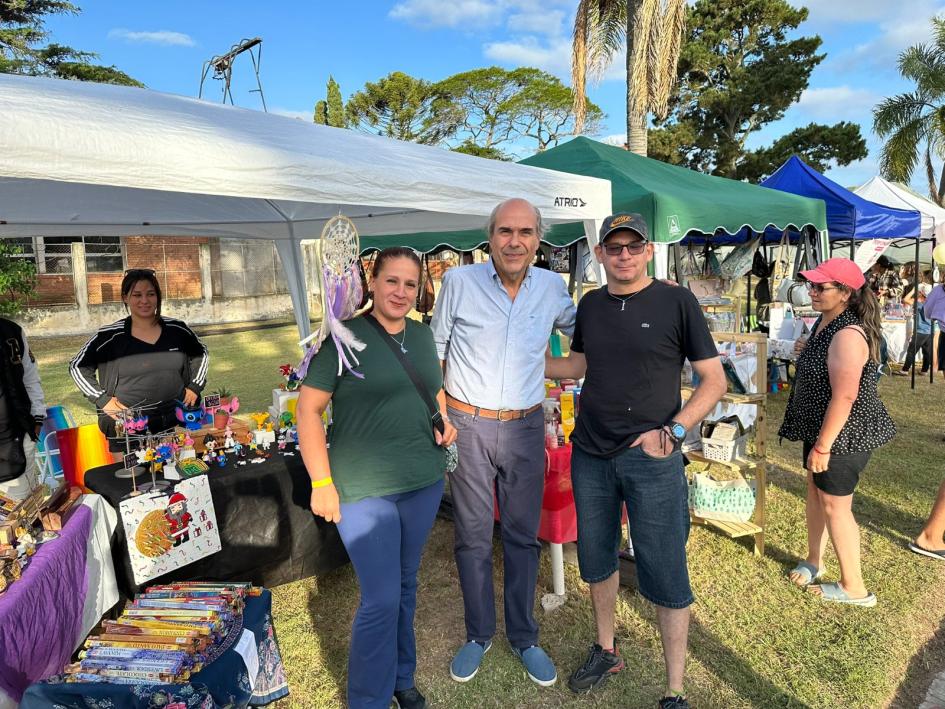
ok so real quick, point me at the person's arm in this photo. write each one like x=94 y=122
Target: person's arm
x=442 y=322
x=574 y=366
x=449 y=431
x=567 y=311
x=83 y=369
x=314 y=447
x=846 y=358
x=198 y=359
x=712 y=387
x=34 y=388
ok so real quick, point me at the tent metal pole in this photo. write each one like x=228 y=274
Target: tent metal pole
x=915 y=313
x=852 y=248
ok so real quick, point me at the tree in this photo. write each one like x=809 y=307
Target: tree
x=402 y=107
x=470 y=148
x=17 y=279
x=651 y=31
x=21 y=33
x=915 y=121
x=738 y=72
x=331 y=111
x=490 y=108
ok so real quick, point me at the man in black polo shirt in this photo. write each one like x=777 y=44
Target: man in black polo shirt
x=630 y=341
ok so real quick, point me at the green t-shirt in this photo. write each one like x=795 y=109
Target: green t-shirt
x=381 y=438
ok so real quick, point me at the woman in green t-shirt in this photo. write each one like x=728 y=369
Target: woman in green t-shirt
x=382 y=479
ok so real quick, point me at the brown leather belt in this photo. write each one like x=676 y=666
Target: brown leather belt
x=498 y=414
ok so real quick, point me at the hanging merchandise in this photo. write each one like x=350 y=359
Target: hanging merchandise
x=171 y=529
x=741 y=260
x=426 y=296
x=341 y=294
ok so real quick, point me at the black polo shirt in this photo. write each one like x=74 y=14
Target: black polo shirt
x=635 y=348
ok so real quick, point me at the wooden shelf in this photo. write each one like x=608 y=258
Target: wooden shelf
x=732 y=529
x=737 y=464
x=731 y=397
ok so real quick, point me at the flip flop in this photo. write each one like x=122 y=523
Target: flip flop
x=933 y=553
x=808 y=573
x=834 y=593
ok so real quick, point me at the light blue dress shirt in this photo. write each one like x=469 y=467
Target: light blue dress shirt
x=494 y=347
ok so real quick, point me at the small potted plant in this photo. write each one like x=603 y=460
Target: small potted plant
x=221 y=417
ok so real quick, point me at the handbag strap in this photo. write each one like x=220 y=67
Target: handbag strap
x=435 y=414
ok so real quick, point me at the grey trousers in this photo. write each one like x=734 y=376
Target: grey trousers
x=505 y=458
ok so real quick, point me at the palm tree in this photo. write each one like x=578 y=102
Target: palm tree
x=652 y=31
x=916 y=120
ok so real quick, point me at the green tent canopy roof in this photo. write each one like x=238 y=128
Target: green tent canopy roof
x=675 y=201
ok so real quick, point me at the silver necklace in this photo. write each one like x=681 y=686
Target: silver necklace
x=622 y=301
x=401 y=341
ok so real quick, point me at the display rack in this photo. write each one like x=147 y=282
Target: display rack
x=734 y=307
x=755 y=464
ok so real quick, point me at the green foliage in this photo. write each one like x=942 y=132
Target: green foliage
x=470 y=148
x=320 y=115
x=914 y=122
x=741 y=67
x=402 y=107
x=335 y=113
x=17 y=279
x=22 y=31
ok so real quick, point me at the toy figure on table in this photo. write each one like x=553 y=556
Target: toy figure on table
x=228 y=440
x=292 y=381
x=190 y=416
x=259 y=418
x=221 y=458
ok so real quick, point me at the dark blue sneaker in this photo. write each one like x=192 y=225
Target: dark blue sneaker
x=674 y=702
x=409 y=699
x=540 y=668
x=466 y=663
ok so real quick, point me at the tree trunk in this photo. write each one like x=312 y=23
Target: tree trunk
x=636 y=128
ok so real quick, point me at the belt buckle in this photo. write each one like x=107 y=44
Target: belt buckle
x=507 y=414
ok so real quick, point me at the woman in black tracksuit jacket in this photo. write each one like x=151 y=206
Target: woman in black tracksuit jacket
x=143 y=361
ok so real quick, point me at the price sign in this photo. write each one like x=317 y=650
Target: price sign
x=131 y=460
x=211 y=401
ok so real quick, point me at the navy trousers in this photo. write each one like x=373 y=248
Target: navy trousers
x=384 y=537
x=506 y=458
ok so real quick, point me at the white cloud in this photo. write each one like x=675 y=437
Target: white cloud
x=177 y=39
x=860 y=10
x=856 y=173
x=540 y=21
x=456 y=14
x=618 y=139
x=553 y=57
x=837 y=103
x=906 y=25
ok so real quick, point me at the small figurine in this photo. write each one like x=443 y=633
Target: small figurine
x=260 y=418
x=190 y=416
x=280 y=441
x=269 y=426
x=228 y=442
x=221 y=458
x=291 y=434
x=291 y=377
x=250 y=442
x=286 y=419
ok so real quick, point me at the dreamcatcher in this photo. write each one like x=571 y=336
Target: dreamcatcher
x=340 y=294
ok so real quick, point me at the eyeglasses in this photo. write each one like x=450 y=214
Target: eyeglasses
x=634 y=248
x=819 y=287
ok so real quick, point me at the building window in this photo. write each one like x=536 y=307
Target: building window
x=53 y=254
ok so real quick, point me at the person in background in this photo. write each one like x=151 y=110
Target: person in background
x=22 y=412
x=931 y=540
x=923 y=333
x=491 y=328
x=907 y=275
x=382 y=478
x=835 y=409
x=884 y=281
x=627 y=442
x=935 y=311
x=145 y=361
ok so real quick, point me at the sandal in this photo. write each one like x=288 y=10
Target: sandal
x=933 y=553
x=834 y=593
x=807 y=574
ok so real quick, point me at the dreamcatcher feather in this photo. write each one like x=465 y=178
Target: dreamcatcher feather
x=340 y=295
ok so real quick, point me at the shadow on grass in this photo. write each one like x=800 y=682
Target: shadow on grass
x=925 y=665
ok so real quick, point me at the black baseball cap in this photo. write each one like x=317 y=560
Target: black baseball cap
x=624 y=220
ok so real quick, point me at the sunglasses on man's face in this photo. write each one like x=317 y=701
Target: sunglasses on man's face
x=634 y=248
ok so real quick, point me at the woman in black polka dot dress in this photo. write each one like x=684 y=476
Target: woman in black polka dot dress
x=835 y=410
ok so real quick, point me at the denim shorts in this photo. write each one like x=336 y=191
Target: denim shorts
x=657 y=499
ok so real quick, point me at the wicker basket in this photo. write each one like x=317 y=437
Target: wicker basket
x=724 y=451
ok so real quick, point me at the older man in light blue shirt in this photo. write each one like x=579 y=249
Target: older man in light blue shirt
x=491 y=328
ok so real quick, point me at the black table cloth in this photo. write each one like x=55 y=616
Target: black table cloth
x=268 y=534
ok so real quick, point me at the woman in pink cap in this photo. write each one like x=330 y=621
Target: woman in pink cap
x=835 y=410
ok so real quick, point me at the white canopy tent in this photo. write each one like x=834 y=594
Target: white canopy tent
x=890 y=194
x=91 y=159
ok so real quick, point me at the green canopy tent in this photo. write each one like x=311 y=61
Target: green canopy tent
x=432 y=242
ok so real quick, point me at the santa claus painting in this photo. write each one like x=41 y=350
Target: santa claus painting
x=178 y=518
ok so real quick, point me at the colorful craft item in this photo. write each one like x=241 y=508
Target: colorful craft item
x=136 y=424
x=291 y=377
x=189 y=467
x=190 y=416
x=259 y=418
x=81 y=449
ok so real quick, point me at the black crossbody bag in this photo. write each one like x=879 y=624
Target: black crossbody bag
x=436 y=418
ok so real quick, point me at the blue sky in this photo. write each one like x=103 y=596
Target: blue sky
x=165 y=44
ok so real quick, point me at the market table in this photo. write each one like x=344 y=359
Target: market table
x=225 y=682
x=64 y=591
x=268 y=533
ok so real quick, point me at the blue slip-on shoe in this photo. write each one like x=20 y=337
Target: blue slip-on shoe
x=540 y=668
x=466 y=663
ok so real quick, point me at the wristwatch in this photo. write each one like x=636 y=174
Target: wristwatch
x=677 y=431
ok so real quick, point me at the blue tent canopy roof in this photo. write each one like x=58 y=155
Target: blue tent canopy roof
x=849 y=216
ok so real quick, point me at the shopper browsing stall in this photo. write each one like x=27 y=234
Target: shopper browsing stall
x=835 y=409
x=22 y=411
x=630 y=341
x=145 y=361
x=382 y=479
x=491 y=328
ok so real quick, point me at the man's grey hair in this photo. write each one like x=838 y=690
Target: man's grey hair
x=539 y=223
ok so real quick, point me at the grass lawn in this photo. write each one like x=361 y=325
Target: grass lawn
x=755 y=641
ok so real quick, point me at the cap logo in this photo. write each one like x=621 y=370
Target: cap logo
x=617 y=221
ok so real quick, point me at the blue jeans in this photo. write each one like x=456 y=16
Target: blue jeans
x=655 y=492
x=384 y=537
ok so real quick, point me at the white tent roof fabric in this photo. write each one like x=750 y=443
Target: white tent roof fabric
x=79 y=158
x=890 y=194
